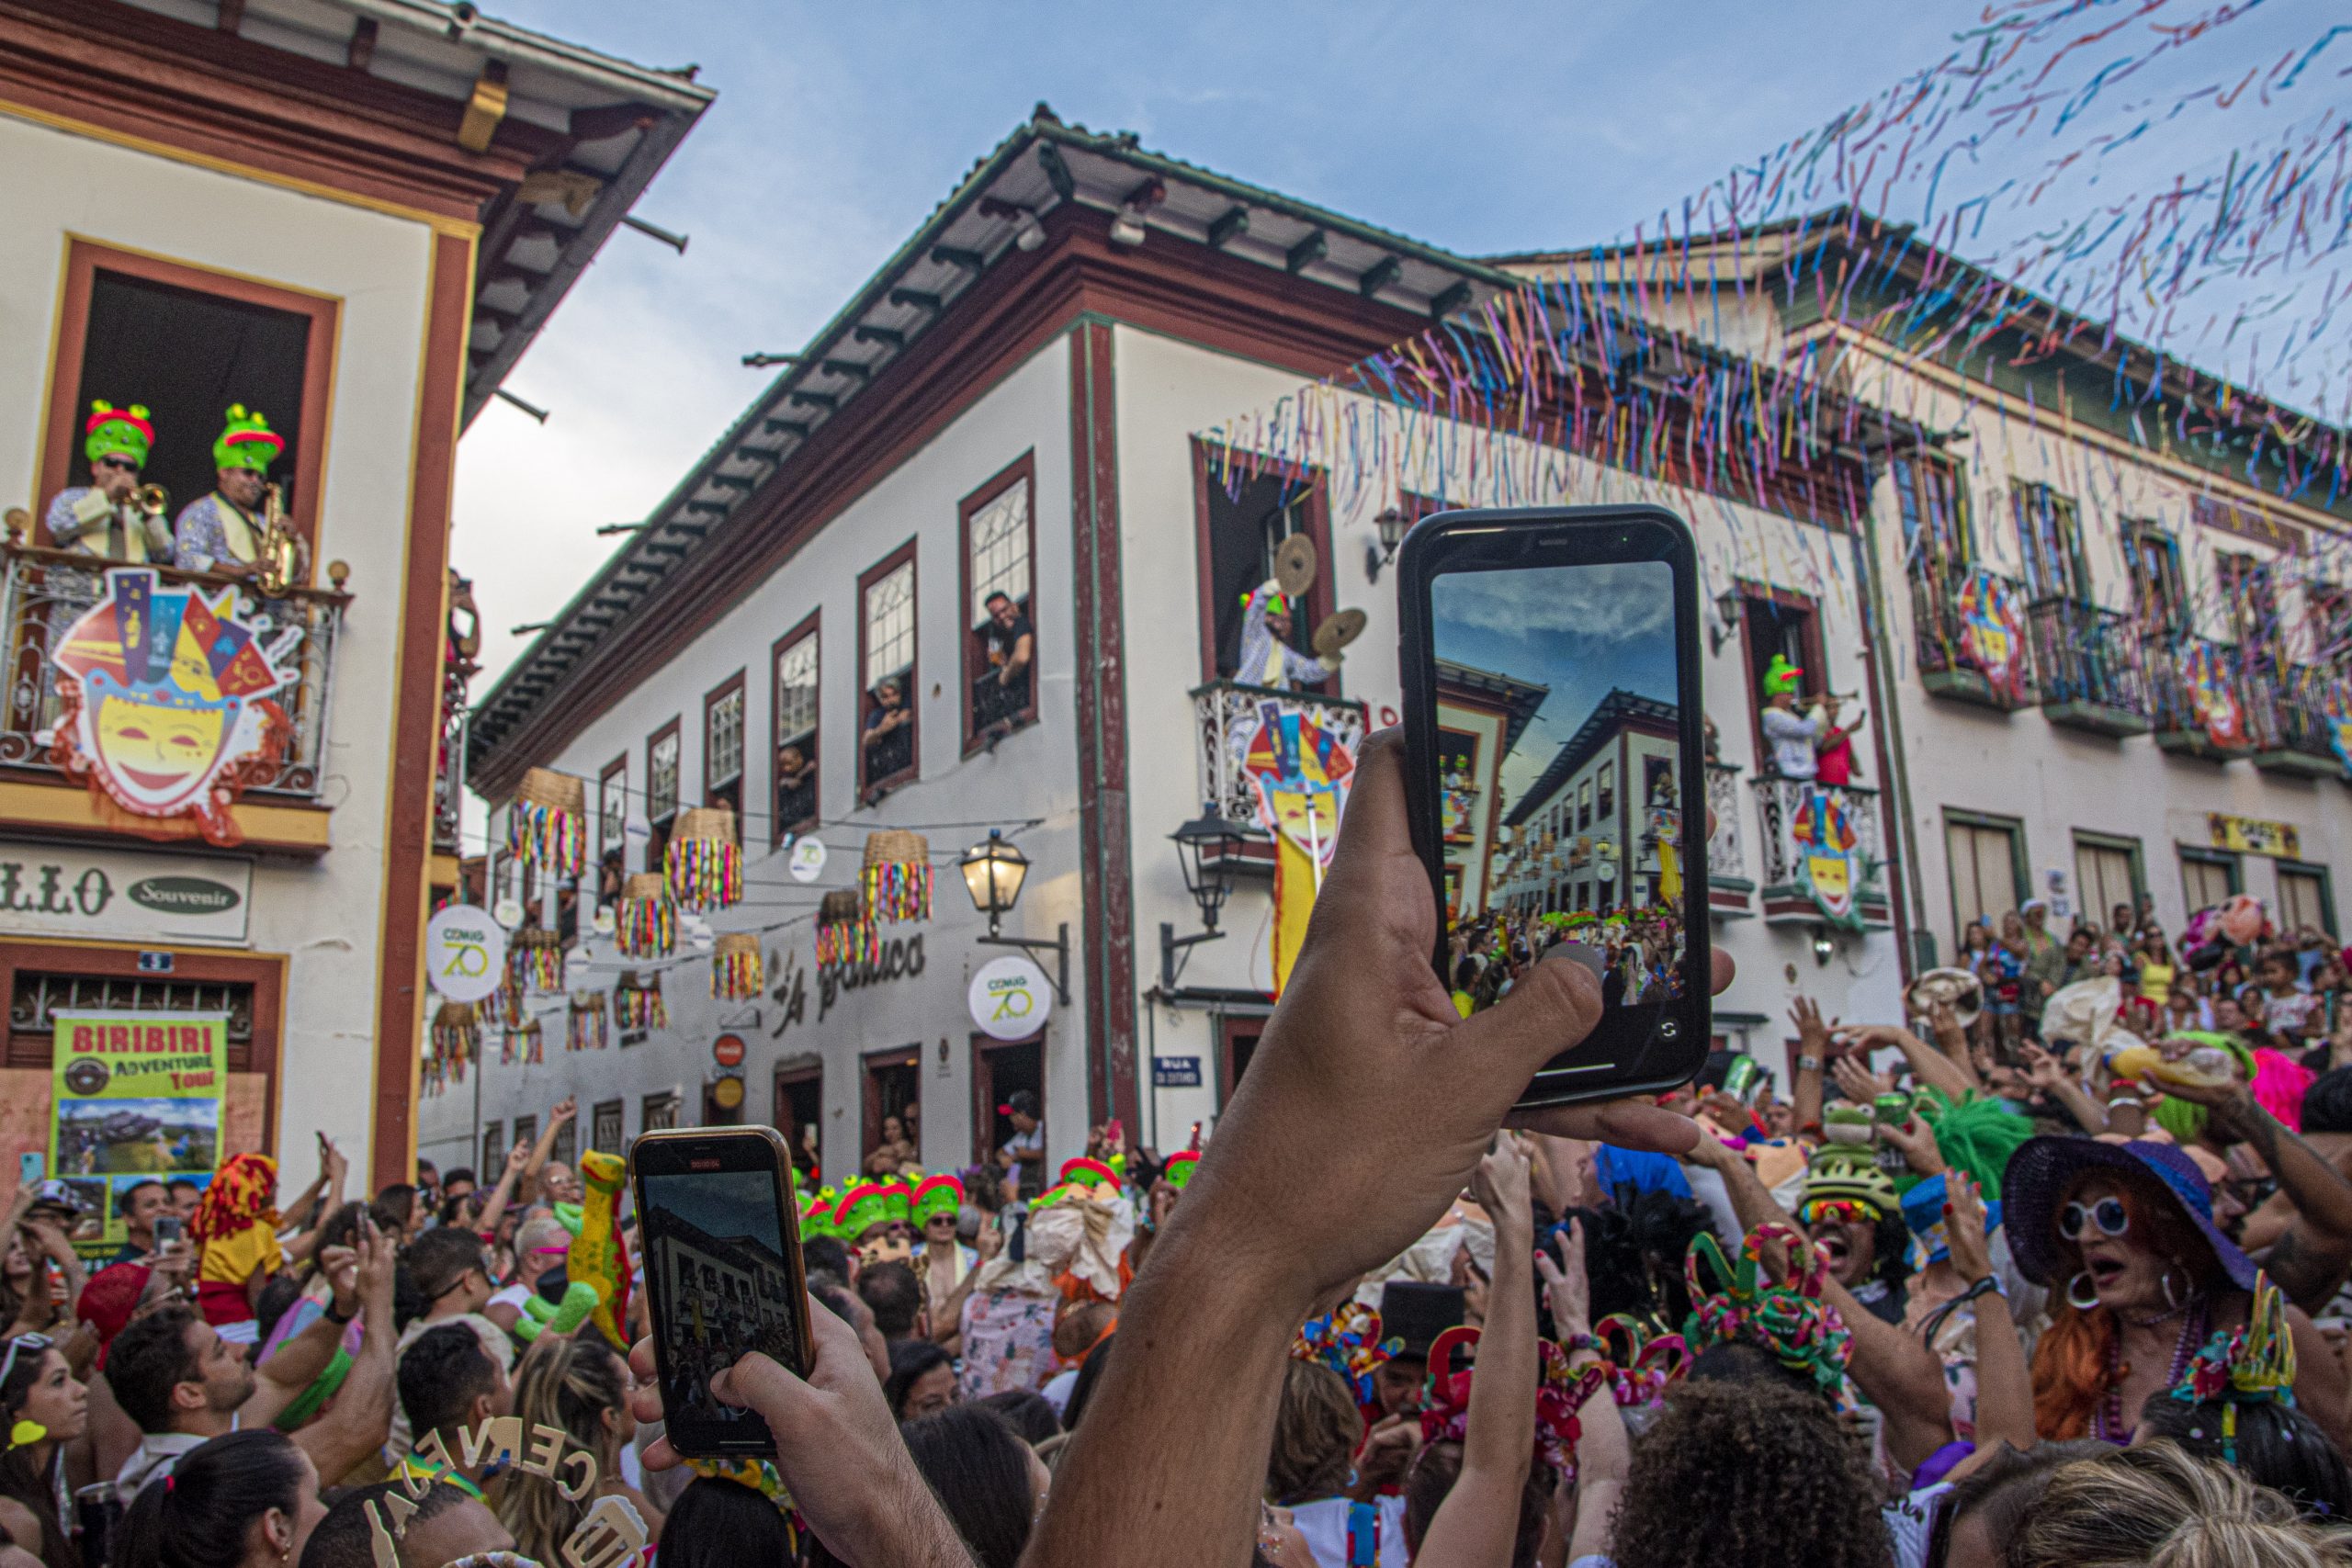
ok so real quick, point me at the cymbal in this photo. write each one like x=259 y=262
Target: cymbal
x=1337 y=630
x=1294 y=565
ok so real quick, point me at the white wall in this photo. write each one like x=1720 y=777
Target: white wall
x=327 y=915
x=1032 y=773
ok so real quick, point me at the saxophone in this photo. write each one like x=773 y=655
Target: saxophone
x=280 y=550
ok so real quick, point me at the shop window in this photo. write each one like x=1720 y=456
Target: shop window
x=799 y=1115
x=185 y=344
x=1933 y=502
x=893 y=1086
x=660 y=792
x=660 y=1113
x=1241 y=524
x=887 y=674
x=605 y=1127
x=2208 y=877
x=612 y=829
x=493 y=1147
x=2159 y=595
x=795 y=656
x=999 y=612
x=722 y=747
x=1001 y=1070
x=2049 y=528
x=1986 y=859
x=2305 y=899
x=2107 y=877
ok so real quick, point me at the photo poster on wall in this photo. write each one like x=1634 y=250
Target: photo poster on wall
x=135 y=1097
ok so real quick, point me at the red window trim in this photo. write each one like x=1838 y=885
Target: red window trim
x=711 y=700
x=985 y=1098
x=1021 y=471
x=811 y=626
x=61 y=426
x=1816 y=678
x=658 y=837
x=872 y=790
x=1324 y=595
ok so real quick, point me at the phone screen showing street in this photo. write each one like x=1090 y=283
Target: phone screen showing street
x=1560 y=787
x=715 y=1259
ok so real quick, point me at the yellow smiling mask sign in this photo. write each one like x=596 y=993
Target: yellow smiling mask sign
x=166 y=702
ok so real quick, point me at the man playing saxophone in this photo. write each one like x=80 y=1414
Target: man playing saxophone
x=229 y=532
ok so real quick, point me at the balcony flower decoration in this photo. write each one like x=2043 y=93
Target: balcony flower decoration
x=637 y=1001
x=1301 y=772
x=737 y=972
x=648 y=924
x=586 y=1023
x=165 y=704
x=1992 y=632
x=844 y=936
x=547 y=824
x=896 y=877
x=704 y=861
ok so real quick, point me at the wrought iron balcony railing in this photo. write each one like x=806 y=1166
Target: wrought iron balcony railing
x=2196 y=696
x=1970 y=633
x=1227 y=715
x=1780 y=804
x=2287 y=719
x=2087 y=664
x=43 y=591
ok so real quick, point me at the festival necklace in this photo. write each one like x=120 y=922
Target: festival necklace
x=2107 y=1418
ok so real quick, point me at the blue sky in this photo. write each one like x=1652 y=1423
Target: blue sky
x=1481 y=128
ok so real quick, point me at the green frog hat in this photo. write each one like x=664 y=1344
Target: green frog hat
x=1781 y=677
x=112 y=431
x=247 y=442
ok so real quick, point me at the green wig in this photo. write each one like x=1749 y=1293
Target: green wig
x=1977 y=1134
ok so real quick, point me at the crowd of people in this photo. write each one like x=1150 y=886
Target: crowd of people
x=1936 y=1294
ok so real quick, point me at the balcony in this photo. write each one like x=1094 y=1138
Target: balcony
x=1225 y=715
x=1730 y=889
x=449 y=782
x=2087 y=660
x=43 y=591
x=2197 y=698
x=1970 y=663
x=2287 y=720
x=1778 y=805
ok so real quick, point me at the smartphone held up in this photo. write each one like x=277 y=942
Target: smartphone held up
x=1555 y=733
x=723 y=1274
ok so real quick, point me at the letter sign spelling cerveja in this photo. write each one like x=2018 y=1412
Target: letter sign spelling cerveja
x=464 y=954
x=1008 y=998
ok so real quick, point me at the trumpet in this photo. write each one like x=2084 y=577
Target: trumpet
x=152 y=499
x=280 y=550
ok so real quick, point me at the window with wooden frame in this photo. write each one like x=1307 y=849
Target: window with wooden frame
x=1778 y=622
x=998 y=522
x=722 y=748
x=2249 y=603
x=2109 y=874
x=1932 y=500
x=2159 y=594
x=2049 y=527
x=2208 y=877
x=1984 y=857
x=2306 y=898
x=493 y=1147
x=1606 y=782
x=660 y=792
x=888 y=694
x=605 y=1127
x=796 y=663
x=527 y=1131
x=566 y=1148
x=186 y=343
x=1240 y=523
x=612 y=829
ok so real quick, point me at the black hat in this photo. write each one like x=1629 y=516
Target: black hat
x=1019 y=1102
x=1418 y=1312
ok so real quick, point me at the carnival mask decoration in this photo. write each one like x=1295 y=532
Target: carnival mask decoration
x=166 y=702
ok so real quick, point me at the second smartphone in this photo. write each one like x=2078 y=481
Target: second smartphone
x=721 y=1245
x=1555 y=767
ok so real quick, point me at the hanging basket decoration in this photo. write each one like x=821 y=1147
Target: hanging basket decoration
x=526 y=1043
x=844 y=936
x=704 y=861
x=637 y=1001
x=455 y=1040
x=536 y=959
x=896 y=878
x=737 y=973
x=547 y=823
x=586 y=1023
x=649 y=918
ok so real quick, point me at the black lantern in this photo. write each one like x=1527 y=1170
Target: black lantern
x=994 y=872
x=1206 y=847
x=1393 y=524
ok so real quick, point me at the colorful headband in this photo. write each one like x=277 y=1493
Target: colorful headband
x=1560 y=1392
x=1348 y=1341
x=1641 y=1368
x=1803 y=1332
x=2251 y=1364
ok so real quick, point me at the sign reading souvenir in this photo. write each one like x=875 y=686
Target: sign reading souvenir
x=2212 y=697
x=1008 y=998
x=1992 y=632
x=465 y=953
x=2252 y=836
x=1829 y=861
x=134 y=1097
x=58 y=890
x=165 y=701
x=1301 y=770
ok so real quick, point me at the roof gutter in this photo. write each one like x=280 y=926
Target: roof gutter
x=503 y=40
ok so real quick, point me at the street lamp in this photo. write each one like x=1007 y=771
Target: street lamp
x=994 y=872
x=1392 y=525
x=1206 y=847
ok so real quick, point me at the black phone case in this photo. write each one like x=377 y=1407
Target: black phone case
x=1661 y=1065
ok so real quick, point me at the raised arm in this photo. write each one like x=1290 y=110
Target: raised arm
x=1478 y=1522
x=2312 y=1258
x=1930 y=1065
x=2048 y=1073
x=504 y=1193
x=1951 y=1039
x=296 y=1365
x=565 y=1110
x=2004 y=1383
x=354 y=1428
x=1813 y=1054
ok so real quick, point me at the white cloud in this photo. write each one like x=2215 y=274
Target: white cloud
x=1616 y=602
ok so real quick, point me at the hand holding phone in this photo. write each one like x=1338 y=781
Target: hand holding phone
x=168 y=1230
x=723 y=1275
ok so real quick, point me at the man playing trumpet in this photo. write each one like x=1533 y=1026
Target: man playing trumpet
x=105 y=518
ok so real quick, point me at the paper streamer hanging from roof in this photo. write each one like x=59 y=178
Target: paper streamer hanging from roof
x=164 y=702
x=1301 y=767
